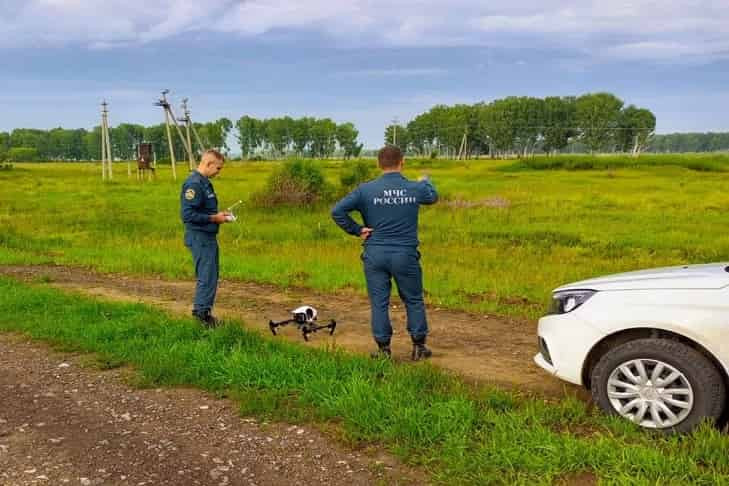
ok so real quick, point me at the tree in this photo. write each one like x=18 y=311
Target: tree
x=559 y=123
x=157 y=136
x=597 y=117
x=347 y=139
x=31 y=138
x=92 y=143
x=422 y=133
x=23 y=154
x=497 y=120
x=250 y=135
x=301 y=134
x=397 y=135
x=528 y=118
x=323 y=138
x=689 y=142
x=278 y=134
x=4 y=144
x=636 y=126
x=124 y=140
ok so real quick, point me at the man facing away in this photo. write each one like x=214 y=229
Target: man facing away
x=389 y=206
x=200 y=215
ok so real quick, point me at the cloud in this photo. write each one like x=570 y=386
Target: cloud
x=622 y=29
x=397 y=72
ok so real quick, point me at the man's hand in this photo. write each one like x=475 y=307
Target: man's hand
x=220 y=218
x=365 y=233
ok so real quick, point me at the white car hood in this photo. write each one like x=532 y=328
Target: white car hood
x=708 y=276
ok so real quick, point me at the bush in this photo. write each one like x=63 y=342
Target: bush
x=355 y=173
x=6 y=166
x=22 y=154
x=296 y=183
x=697 y=162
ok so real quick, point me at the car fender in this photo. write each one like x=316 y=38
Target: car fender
x=700 y=315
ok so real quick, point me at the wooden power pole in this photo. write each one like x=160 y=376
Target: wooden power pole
x=463 y=149
x=170 y=115
x=188 y=122
x=106 y=168
x=164 y=104
x=191 y=127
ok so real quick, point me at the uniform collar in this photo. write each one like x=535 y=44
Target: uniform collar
x=200 y=175
x=392 y=174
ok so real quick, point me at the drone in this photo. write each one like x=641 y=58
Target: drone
x=305 y=319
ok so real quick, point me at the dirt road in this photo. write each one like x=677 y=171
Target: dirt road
x=490 y=349
x=61 y=423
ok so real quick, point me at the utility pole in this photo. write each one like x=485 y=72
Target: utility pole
x=394 y=130
x=165 y=105
x=462 y=150
x=106 y=168
x=188 y=122
x=186 y=142
x=194 y=130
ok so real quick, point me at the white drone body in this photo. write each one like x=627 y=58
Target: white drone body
x=305 y=313
x=304 y=318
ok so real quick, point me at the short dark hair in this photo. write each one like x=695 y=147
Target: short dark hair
x=389 y=157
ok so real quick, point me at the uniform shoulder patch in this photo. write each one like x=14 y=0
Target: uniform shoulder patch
x=190 y=194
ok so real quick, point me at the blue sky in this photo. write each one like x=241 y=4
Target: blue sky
x=360 y=61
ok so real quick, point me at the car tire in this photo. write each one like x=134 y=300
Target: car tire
x=623 y=364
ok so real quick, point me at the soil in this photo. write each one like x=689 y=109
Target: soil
x=489 y=349
x=64 y=423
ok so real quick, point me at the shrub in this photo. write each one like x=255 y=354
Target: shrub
x=355 y=173
x=22 y=154
x=296 y=183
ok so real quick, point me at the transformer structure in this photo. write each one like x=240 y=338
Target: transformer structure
x=146 y=160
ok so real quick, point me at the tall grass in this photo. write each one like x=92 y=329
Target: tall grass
x=497 y=242
x=712 y=162
x=458 y=432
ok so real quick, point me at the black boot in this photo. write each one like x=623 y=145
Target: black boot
x=383 y=351
x=206 y=319
x=420 y=351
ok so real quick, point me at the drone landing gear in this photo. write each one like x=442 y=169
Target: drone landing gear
x=305 y=327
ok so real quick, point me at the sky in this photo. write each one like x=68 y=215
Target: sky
x=367 y=62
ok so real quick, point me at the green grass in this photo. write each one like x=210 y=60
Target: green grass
x=709 y=162
x=458 y=433
x=497 y=242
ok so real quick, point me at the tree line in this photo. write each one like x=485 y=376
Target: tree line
x=690 y=142
x=269 y=138
x=29 y=145
x=525 y=125
x=304 y=137
x=597 y=122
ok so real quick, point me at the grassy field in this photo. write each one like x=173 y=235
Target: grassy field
x=503 y=235
x=457 y=433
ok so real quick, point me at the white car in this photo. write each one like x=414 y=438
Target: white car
x=652 y=346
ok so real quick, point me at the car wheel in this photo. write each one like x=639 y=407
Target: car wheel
x=658 y=384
